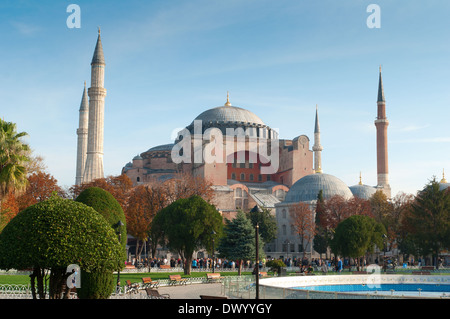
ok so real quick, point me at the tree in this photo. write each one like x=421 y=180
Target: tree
x=118 y=186
x=429 y=220
x=97 y=282
x=357 y=235
x=144 y=202
x=239 y=242
x=13 y=156
x=9 y=209
x=320 y=242
x=267 y=223
x=303 y=222
x=40 y=187
x=185 y=185
x=54 y=234
x=187 y=225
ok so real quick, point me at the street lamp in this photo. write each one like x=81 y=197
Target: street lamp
x=119 y=234
x=258 y=210
x=213 y=233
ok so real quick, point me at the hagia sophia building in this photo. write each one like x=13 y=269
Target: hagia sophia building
x=242 y=156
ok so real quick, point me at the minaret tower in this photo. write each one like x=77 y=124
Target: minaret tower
x=97 y=93
x=317 y=148
x=381 y=123
x=82 y=133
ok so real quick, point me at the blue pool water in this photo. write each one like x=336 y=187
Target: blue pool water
x=384 y=288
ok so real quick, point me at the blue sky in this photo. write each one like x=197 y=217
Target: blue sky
x=168 y=61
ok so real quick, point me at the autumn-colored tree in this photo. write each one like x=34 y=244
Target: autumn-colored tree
x=335 y=210
x=381 y=208
x=9 y=208
x=40 y=187
x=185 y=185
x=118 y=186
x=303 y=222
x=145 y=201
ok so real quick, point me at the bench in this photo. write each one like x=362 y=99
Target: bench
x=174 y=279
x=427 y=268
x=212 y=297
x=213 y=277
x=154 y=294
x=421 y=273
x=164 y=266
x=147 y=282
x=131 y=287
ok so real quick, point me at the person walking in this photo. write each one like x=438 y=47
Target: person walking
x=339 y=265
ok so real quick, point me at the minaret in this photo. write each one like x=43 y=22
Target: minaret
x=317 y=148
x=381 y=123
x=97 y=93
x=82 y=133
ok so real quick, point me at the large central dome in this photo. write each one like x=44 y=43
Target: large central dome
x=232 y=117
x=229 y=114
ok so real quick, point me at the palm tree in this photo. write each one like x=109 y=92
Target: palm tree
x=13 y=155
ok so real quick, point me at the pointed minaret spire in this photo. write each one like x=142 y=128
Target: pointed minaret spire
x=317 y=148
x=98 y=57
x=82 y=133
x=380 y=89
x=97 y=92
x=381 y=123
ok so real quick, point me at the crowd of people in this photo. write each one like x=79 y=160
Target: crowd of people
x=304 y=264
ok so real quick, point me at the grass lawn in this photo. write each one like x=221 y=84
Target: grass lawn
x=133 y=277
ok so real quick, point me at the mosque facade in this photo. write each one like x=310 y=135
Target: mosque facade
x=242 y=157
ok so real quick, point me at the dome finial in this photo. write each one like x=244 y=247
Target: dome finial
x=228 y=99
x=443 y=181
x=360 y=181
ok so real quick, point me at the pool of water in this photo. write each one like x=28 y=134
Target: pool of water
x=431 y=290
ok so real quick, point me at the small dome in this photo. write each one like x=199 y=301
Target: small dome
x=137 y=157
x=362 y=191
x=307 y=188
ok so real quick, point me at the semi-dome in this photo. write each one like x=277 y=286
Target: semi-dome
x=307 y=188
x=363 y=191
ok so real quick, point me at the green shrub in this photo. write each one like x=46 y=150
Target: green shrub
x=275 y=265
x=54 y=234
x=97 y=284
x=105 y=204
